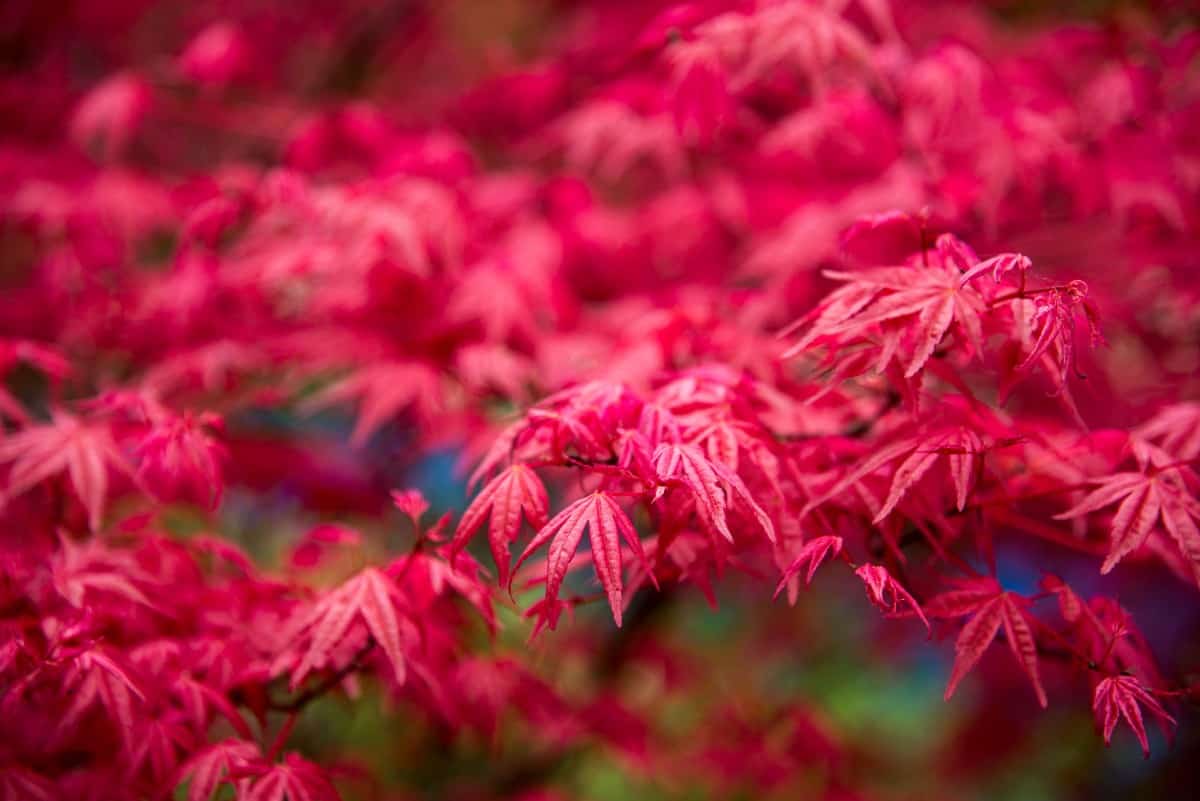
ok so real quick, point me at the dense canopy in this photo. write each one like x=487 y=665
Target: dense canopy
x=424 y=400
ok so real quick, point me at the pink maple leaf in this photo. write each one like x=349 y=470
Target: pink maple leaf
x=94 y=679
x=1119 y=697
x=811 y=556
x=371 y=599
x=293 y=779
x=208 y=768
x=515 y=492
x=990 y=608
x=887 y=593
x=608 y=524
x=714 y=486
x=1159 y=494
x=85 y=451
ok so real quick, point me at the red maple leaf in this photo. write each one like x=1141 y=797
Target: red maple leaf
x=911 y=307
x=887 y=593
x=93 y=679
x=960 y=446
x=80 y=568
x=1177 y=429
x=209 y=768
x=201 y=704
x=85 y=451
x=713 y=486
x=157 y=746
x=991 y=608
x=411 y=502
x=1054 y=324
x=294 y=779
x=370 y=598
x=608 y=524
x=180 y=460
x=1119 y=697
x=1156 y=494
x=813 y=553
x=514 y=492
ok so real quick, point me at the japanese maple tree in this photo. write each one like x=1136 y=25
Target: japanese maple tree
x=832 y=364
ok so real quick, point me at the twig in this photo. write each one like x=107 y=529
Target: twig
x=308 y=696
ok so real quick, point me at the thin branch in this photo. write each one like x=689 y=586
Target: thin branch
x=316 y=691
